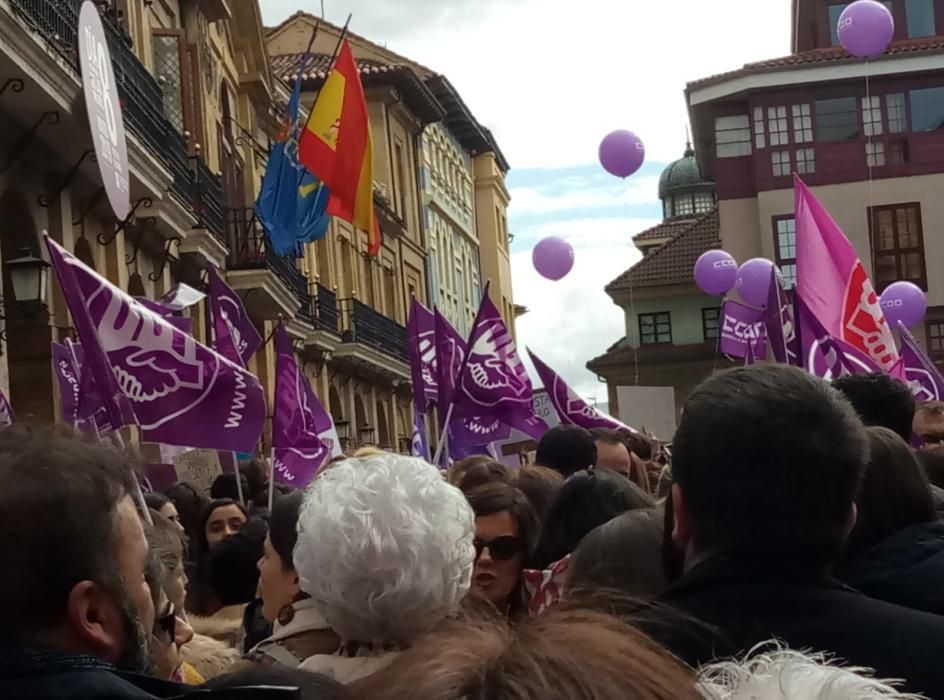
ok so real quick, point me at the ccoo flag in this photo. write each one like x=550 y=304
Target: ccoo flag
x=180 y=392
x=921 y=374
x=336 y=146
x=834 y=285
x=493 y=382
x=779 y=323
x=421 y=332
x=234 y=335
x=300 y=424
x=570 y=407
x=292 y=202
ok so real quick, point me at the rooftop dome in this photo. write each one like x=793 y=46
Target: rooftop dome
x=683 y=176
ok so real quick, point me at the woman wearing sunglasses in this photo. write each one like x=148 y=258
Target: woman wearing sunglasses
x=506 y=529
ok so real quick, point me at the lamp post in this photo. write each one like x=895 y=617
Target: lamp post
x=29 y=276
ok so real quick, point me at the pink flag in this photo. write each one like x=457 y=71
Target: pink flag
x=234 y=335
x=300 y=424
x=834 y=285
x=180 y=392
x=570 y=407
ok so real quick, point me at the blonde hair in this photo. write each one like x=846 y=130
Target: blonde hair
x=369 y=451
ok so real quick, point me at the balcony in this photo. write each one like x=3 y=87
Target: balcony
x=250 y=252
x=326 y=310
x=142 y=104
x=362 y=324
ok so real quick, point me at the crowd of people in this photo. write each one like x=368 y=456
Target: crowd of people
x=788 y=544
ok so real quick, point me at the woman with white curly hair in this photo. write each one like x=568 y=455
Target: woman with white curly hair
x=385 y=549
x=773 y=672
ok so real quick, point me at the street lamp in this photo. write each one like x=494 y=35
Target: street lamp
x=28 y=278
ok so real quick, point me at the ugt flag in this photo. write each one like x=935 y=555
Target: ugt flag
x=292 y=202
x=570 y=407
x=179 y=391
x=234 y=335
x=80 y=405
x=421 y=335
x=493 y=381
x=300 y=423
x=921 y=374
x=823 y=355
x=336 y=146
x=834 y=285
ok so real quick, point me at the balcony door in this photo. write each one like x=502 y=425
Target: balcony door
x=231 y=166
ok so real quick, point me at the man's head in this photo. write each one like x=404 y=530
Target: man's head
x=928 y=423
x=613 y=453
x=566 y=449
x=767 y=461
x=880 y=400
x=73 y=548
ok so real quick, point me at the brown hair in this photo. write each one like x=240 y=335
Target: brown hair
x=639 y=448
x=540 y=485
x=166 y=541
x=559 y=655
x=894 y=494
x=460 y=467
x=484 y=472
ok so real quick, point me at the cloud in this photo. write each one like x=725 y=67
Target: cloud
x=534 y=200
x=551 y=79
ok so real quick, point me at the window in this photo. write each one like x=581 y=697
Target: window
x=683 y=205
x=927 y=109
x=895 y=107
x=401 y=176
x=655 y=329
x=920 y=16
x=780 y=163
x=704 y=202
x=805 y=161
x=802 y=124
x=785 y=248
x=711 y=322
x=935 y=331
x=897 y=152
x=872 y=115
x=897 y=245
x=733 y=136
x=777 y=126
x=168 y=64
x=875 y=154
x=837 y=120
x=760 y=140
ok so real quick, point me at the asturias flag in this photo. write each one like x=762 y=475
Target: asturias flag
x=336 y=146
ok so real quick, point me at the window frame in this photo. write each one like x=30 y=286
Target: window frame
x=912 y=112
x=937 y=356
x=779 y=259
x=655 y=327
x=745 y=144
x=856 y=111
x=896 y=252
x=186 y=75
x=717 y=322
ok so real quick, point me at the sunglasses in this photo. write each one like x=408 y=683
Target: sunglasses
x=501 y=548
x=167 y=623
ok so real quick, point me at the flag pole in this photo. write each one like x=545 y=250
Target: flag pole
x=239 y=480
x=444 y=438
x=271 y=487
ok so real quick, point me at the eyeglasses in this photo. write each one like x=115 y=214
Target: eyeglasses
x=167 y=622
x=501 y=548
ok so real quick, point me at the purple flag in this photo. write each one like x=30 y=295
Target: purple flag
x=921 y=374
x=298 y=422
x=419 y=445
x=834 y=285
x=823 y=355
x=180 y=392
x=749 y=358
x=569 y=406
x=780 y=327
x=234 y=335
x=81 y=406
x=76 y=280
x=742 y=326
x=6 y=412
x=450 y=353
x=421 y=328
x=493 y=381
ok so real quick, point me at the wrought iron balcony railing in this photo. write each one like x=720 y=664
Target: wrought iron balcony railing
x=249 y=250
x=326 y=309
x=142 y=104
x=362 y=324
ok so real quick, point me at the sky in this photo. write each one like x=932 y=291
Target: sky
x=551 y=78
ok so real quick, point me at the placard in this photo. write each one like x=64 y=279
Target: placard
x=199 y=467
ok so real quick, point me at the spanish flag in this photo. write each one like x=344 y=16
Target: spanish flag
x=336 y=147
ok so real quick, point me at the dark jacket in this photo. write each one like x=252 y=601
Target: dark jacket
x=726 y=606
x=937 y=494
x=906 y=569
x=49 y=675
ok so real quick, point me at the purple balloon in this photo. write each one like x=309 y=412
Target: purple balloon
x=866 y=28
x=622 y=153
x=905 y=302
x=753 y=281
x=716 y=272
x=553 y=258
